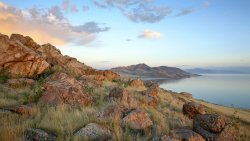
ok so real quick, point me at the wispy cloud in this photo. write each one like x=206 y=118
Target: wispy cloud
x=137 y=10
x=149 y=34
x=47 y=25
x=185 y=12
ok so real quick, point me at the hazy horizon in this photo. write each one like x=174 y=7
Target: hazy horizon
x=111 y=33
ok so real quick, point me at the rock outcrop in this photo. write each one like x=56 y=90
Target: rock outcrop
x=137 y=120
x=215 y=127
x=192 y=109
x=94 y=132
x=64 y=89
x=18 y=59
x=33 y=134
x=137 y=83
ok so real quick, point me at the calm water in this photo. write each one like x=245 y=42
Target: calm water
x=223 y=89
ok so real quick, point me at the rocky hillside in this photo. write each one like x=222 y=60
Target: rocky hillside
x=45 y=96
x=143 y=70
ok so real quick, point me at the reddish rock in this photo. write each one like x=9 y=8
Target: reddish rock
x=137 y=83
x=25 y=40
x=151 y=95
x=137 y=120
x=186 y=134
x=110 y=75
x=20 y=60
x=164 y=138
x=64 y=89
x=119 y=94
x=192 y=109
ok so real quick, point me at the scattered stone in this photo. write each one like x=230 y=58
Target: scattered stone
x=64 y=89
x=192 y=109
x=118 y=94
x=94 y=132
x=215 y=127
x=186 y=134
x=33 y=134
x=137 y=83
x=137 y=120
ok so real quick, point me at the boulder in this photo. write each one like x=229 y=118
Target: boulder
x=164 y=138
x=186 y=134
x=137 y=83
x=110 y=75
x=63 y=89
x=94 y=132
x=137 y=120
x=20 y=60
x=118 y=94
x=192 y=109
x=33 y=134
x=215 y=127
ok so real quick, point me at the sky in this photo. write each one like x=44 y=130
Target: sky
x=110 y=33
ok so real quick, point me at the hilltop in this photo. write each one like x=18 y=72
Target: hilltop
x=143 y=70
x=46 y=96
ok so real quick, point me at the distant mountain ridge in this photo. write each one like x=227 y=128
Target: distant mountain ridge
x=143 y=70
x=218 y=71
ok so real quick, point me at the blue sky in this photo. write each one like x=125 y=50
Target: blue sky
x=109 y=33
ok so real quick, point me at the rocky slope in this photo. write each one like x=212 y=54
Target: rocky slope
x=143 y=70
x=45 y=96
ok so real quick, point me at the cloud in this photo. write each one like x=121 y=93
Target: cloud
x=185 y=12
x=137 y=10
x=67 y=6
x=47 y=25
x=129 y=40
x=148 y=14
x=149 y=34
x=85 y=8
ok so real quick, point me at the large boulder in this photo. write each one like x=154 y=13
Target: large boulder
x=137 y=120
x=118 y=94
x=94 y=132
x=110 y=75
x=192 y=109
x=137 y=83
x=186 y=134
x=33 y=134
x=25 y=40
x=20 y=60
x=63 y=89
x=215 y=127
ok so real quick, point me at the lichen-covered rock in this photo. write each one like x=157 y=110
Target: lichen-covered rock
x=215 y=127
x=64 y=89
x=33 y=134
x=110 y=75
x=137 y=120
x=20 y=60
x=113 y=111
x=186 y=134
x=94 y=132
x=192 y=109
x=151 y=95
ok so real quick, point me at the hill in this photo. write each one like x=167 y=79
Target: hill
x=143 y=70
